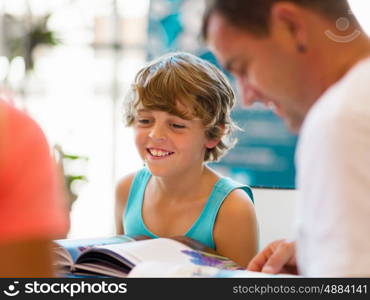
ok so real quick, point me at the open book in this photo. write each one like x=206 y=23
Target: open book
x=117 y=256
x=163 y=269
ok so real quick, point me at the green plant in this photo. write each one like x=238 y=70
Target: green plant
x=26 y=34
x=72 y=181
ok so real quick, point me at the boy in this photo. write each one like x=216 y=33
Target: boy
x=179 y=108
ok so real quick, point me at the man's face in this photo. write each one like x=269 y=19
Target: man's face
x=267 y=69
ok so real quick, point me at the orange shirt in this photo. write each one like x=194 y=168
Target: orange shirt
x=31 y=205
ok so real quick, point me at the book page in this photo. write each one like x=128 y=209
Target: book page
x=247 y=274
x=160 y=249
x=62 y=258
x=161 y=269
x=67 y=250
x=165 y=250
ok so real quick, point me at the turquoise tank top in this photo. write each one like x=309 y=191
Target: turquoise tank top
x=201 y=230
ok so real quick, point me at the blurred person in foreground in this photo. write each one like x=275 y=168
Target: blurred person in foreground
x=31 y=209
x=310 y=60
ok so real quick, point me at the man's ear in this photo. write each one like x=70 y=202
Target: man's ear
x=288 y=24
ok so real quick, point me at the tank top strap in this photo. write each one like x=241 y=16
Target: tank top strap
x=133 y=221
x=202 y=229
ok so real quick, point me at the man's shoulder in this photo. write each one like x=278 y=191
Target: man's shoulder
x=356 y=81
x=345 y=102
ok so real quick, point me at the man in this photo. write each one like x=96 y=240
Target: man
x=32 y=213
x=311 y=61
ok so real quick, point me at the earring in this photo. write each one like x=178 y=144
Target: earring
x=301 y=48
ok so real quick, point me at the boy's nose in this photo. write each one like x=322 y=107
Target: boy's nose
x=157 y=133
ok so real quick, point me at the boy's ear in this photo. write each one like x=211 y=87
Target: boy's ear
x=211 y=143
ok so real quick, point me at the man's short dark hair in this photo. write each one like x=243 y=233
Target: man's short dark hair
x=254 y=15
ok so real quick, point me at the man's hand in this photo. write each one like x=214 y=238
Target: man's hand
x=277 y=257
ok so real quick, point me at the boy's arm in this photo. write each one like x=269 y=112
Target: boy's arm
x=122 y=192
x=235 y=232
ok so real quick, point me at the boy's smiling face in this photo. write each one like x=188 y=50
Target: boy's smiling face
x=168 y=143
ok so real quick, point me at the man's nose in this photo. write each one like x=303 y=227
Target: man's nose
x=249 y=94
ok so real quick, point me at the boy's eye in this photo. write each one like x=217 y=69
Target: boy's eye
x=177 y=126
x=143 y=121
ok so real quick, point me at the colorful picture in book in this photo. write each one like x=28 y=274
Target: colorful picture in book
x=207 y=259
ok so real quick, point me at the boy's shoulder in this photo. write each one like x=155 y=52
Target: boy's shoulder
x=124 y=184
x=236 y=191
x=237 y=204
x=238 y=199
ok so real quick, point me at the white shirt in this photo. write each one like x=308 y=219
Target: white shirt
x=333 y=176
